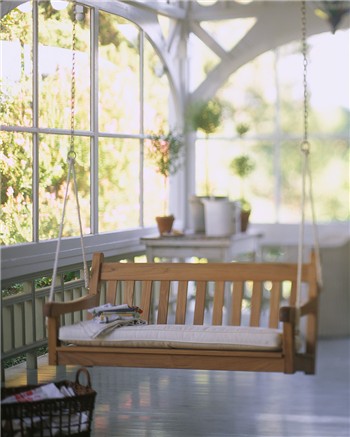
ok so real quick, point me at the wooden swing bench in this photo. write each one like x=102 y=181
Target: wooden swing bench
x=194 y=344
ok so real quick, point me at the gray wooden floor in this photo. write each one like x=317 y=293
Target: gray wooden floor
x=186 y=403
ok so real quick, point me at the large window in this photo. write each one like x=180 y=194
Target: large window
x=267 y=96
x=119 y=98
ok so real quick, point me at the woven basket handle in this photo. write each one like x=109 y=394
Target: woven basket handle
x=87 y=375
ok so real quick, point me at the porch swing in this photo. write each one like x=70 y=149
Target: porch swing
x=169 y=339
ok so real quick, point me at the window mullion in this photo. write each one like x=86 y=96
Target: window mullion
x=141 y=175
x=94 y=31
x=35 y=109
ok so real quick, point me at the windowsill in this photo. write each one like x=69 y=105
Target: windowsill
x=30 y=258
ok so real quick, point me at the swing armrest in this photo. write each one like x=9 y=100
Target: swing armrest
x=310 y=307
x=55 y=309
x=288 y=313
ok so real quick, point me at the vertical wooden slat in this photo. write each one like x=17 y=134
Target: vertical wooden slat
x=163 y=302
x=237 y=297
x=181 y=304
x=274 y=304
x=256 y=304
x=199 y=308
x=53 y=325
x=129 y=292
x=111 y=292
x=218 y=302
x=146 y=299
x=293 y=294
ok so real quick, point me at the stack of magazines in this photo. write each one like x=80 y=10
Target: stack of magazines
x=109 y=313
x=40 y=421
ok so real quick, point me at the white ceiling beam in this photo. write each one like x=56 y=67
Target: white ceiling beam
x=278 y=23
x=208 y=40
x=223 y=10
x=161 y=8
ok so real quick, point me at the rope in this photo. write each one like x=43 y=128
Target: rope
x=71 y=171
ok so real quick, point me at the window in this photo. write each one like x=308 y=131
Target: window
x=267 y=95
x=120 y=97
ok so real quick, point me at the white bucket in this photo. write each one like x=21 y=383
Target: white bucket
x=222 y=217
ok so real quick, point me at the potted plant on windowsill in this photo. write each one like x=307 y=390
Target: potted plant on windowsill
x=204 y=116
x=242 y=166
x=164 y=150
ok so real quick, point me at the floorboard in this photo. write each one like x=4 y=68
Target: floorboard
x=189 y=403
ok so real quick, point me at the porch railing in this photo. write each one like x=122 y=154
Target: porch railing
x=23 y=325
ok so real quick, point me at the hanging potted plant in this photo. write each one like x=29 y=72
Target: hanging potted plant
x=165 y=152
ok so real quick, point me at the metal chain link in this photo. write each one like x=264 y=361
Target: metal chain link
x=305 y=146
x=71 y=153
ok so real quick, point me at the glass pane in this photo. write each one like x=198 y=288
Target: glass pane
x=291 y=169
x=212 y=173
x=261 y=186
x=16 y=75
x=156 y=195
x=250 y=97
x=156 y=91
x=215 y=177
x=119 y=191
x=53 y=172
x=290 y=77
x=119 y=75
x=16 y=188
x=55 y=68
x=329 y=164
x=202 y=60
x=330 y=169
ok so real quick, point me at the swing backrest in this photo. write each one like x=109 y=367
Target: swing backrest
x=241 y=293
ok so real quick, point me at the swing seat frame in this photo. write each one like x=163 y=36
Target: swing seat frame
x=134 y=283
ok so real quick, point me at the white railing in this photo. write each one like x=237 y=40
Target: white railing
x=23 y=325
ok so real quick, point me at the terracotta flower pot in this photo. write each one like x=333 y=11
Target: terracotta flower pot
x=165 y=224
x=244 y=220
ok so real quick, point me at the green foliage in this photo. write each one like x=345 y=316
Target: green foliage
x=12 y=290
x=206 y=116
x=242 y=129
x=242 y=166
x=165 y=151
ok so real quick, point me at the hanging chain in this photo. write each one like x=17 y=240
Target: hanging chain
x=305 y=146
x=71 y=153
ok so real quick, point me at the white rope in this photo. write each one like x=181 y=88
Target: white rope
x=54 y=274
x=315 y=229
x=71 y=170
x=86 y=272
x=301 y=227
x=306 y=173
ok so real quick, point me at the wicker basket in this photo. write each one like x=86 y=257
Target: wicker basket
x=50 y=417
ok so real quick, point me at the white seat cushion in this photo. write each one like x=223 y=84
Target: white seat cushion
x=177 y=336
